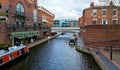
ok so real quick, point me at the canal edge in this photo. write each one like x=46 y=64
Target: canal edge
x=30 y=45
x=96 y=58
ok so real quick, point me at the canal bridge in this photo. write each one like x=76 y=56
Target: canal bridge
x=65 y=29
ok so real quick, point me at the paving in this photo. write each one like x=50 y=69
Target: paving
x=108 y=63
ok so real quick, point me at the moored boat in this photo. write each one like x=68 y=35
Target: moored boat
x=11 y=54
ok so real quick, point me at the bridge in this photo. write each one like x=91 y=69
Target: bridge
x=65 y=29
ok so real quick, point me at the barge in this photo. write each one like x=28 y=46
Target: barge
x=12 y=54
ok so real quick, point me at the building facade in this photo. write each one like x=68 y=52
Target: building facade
x=47 y=20
x=100 y=26
x=65 y=23
x=98 y=15
x=20 y=21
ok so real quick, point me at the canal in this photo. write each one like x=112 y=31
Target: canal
x=55 y=54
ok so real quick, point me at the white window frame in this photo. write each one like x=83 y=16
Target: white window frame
x=113 y=12
x=94 y=20
x=103 y=11
x=94 y=11
x=115 y=19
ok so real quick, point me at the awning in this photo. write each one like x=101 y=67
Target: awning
x=1 y=17
x=22 y=35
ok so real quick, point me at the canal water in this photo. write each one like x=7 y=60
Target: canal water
x=55 y=54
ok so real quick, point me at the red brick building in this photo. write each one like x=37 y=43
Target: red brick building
x=100 y=25
x=98 y=15
x=80 y=22
x=20 y=21
x=47 y=20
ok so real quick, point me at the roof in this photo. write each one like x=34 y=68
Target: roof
x=45 y=10
x=104 y=7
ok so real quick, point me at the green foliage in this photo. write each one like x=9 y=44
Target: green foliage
x=2 y=46
x=3 y=14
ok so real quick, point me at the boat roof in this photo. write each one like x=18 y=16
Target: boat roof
x=10 y=50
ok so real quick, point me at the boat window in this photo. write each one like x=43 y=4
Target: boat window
x=1 y=60
x=18 y=53
x=10 y=57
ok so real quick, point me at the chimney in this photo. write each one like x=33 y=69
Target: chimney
x=111 y=3
x=92 y=4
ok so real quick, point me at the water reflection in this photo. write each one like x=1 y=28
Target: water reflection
x=55 y=55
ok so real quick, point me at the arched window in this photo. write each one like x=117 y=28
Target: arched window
x=20 y=9
x=20 y=13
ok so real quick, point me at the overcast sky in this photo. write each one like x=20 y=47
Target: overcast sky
x=65 y=8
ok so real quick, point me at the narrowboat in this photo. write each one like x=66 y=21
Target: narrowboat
x=12 y=54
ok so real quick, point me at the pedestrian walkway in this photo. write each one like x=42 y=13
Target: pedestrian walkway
x=37 y=42
x=30 y=45
x=106 y=62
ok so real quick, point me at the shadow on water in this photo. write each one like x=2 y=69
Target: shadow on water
x=89 y=62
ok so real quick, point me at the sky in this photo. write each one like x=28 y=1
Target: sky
x=66 y=8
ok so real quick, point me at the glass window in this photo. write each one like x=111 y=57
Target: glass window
x=20 y=9
x=104 y=22
x=35 y=16
x=114 y=21
x=94 y=22
x=1 y=60
x=104 y=12
x=94 y=12
x=114 y=12
x=20 y=14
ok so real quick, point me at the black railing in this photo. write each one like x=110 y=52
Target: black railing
x=24 y=27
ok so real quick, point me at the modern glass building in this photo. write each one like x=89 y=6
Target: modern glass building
x=65 y=23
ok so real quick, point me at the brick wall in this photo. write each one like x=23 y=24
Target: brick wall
x=49 y=18
x=4 y=38
x=11 y=7
x=80 y=22
x=101 y=35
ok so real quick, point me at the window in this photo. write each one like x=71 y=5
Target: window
x=20 y=13
x=114 y=12
x=10 y=57
x=104 y=12
x=94 y=12
x=94 y=22
x=104 y=22
x=35 y=16
x=1 y=60
x=18 y=53
x=20 y=9
x=114 y=21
